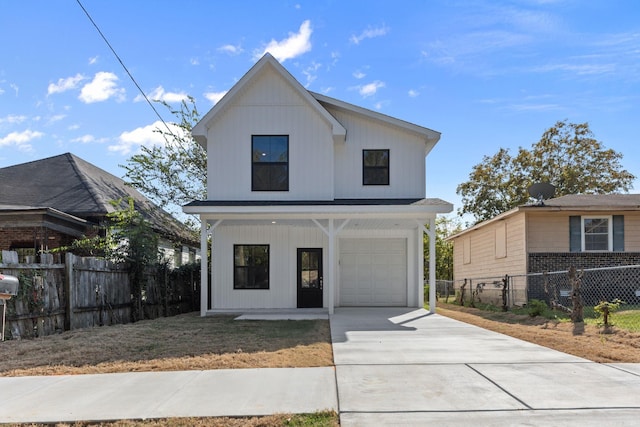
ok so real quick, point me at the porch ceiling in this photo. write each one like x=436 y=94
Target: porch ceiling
x=354 y=224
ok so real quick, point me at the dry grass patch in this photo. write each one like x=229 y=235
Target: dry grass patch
x=587 y=341
x=185 y=342
x=320 y=419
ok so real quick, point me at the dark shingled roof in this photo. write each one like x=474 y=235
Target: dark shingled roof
x=336 y=202
x=74 y=186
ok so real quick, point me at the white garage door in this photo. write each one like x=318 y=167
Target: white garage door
x=373 y=272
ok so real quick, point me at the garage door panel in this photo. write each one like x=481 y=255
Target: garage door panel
x=373 y=272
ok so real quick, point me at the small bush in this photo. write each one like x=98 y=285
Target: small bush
x=536 y=307
x=606 y=309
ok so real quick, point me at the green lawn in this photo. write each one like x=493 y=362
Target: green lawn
x=627 y=317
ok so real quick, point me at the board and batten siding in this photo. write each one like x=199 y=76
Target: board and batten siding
x=283 y=242
x=406 y=157
x=269 y=106
x=489 y=257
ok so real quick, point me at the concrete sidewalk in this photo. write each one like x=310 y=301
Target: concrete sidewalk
x=407 y=367
x=393 y=367
x=141 y=395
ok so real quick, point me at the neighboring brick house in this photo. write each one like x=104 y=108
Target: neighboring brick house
x=50 y=202
x=583 y=231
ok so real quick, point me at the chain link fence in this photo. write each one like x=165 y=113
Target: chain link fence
x=614 y=291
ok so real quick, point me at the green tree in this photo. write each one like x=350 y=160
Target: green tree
x=132 y=240
x=567 y=156
x=445 y=227
x=172 y=174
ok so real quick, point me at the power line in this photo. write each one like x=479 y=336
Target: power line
x=127 y=71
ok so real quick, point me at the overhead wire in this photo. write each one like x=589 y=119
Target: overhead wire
x=144 y=95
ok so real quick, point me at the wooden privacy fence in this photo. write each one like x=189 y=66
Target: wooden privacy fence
x=86 y=292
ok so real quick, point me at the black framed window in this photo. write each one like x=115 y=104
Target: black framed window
x=250 y=266
x=270 y=163
x=375 y=167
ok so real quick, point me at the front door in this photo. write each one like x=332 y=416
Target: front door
x=309 y=278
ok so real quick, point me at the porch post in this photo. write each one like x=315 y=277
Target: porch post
x=204 y=268
x=432 y=265
x=332 y=265
x=420 y=252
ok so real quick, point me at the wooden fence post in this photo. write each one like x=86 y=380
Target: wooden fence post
x=69 y=290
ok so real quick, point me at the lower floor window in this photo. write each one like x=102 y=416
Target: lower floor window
x=250 y=266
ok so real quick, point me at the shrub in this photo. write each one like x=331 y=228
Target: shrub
x=606 y=308
x=536 y=307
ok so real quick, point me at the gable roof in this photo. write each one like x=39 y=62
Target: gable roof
x=72 y=185
x=570 y=202
x=431 y=137
x=199 y=131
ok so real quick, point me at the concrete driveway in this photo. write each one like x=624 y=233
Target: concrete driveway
x=408 y=367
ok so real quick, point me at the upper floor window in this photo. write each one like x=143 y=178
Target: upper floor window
x=270 y=163
x=375 y=167
x=250 y=266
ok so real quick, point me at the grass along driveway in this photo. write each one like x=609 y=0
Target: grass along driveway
x=582 y=340
x=184 y=342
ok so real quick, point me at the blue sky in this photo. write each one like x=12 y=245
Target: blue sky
x=486 y=74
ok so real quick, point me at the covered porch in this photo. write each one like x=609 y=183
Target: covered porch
x=372 y=252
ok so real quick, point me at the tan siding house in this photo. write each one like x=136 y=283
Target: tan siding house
x=584 y=231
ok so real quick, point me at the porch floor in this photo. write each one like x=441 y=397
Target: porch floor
x=276 y=313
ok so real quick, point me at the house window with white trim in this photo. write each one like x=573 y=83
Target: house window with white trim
x=597 y=233
x=250 y=266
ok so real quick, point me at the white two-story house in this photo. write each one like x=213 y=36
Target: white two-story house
x=311 y=201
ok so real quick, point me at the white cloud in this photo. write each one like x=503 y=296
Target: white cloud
x=103 y=86
x=21 y=140
x=359 y=74
x=369 y=33
x=534 y=107
x=586 y=69
x=214 y=97
x=231 y=49
x=371 y=88
x=56 y=118
x=194 y=61
x=129 y=142
x=12 y=119
x=64 y=85
x=87 y=139
x=310 y=72
x=160 y=94
x=294 y=45
x=413 y=93
x=93 y=60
